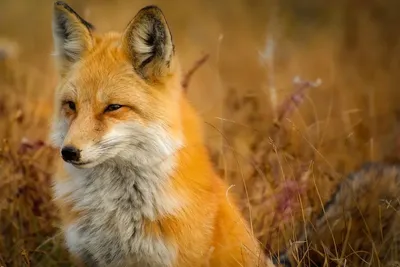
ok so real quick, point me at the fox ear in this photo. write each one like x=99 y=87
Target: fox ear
x=71 y=34
x=148 y=43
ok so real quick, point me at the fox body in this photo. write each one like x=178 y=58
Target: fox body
x=136 y=187
x=359 y=226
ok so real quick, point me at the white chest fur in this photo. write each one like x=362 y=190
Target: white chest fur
x=116 y=199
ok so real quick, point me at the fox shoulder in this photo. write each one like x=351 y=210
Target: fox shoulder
x=359 y=224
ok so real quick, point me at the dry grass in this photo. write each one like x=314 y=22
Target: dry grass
x=285 y=147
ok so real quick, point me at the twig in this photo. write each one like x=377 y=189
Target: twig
x=189 y=74
x=296 y=98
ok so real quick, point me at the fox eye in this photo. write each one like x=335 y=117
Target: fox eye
x=71 y=105
x=112 y=107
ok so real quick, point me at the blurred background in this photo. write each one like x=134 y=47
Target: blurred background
x=277 y=141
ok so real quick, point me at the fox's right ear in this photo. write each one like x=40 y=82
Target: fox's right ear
x=71 y=34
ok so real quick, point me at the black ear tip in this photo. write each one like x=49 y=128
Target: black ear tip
x=60 y=3
x=62 y=6
x=152 y=9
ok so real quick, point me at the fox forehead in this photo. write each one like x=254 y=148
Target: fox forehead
x=104 y=75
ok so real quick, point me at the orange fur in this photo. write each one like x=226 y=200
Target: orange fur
x=208 y=229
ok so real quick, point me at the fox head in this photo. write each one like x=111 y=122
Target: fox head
x=118 y=94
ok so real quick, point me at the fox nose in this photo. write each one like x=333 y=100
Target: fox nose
x=70 y=153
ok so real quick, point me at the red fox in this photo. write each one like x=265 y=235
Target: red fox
x=137 y=187
x=359 y=226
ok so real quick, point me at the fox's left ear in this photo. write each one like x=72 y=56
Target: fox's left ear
x=71 y=34
x=148 y=43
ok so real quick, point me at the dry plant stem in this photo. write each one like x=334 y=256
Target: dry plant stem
x=287 y=108
x=295 y=99
x=188 y=76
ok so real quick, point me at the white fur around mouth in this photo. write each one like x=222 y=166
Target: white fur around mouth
x=80 y=164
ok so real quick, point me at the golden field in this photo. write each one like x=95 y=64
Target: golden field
x=284 y=146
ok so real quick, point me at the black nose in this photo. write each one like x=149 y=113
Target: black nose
x=70 y=153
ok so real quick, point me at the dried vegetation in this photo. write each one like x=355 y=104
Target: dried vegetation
x=283 y=142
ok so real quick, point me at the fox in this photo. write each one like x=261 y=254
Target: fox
x=135 y=185
x=358 y=226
